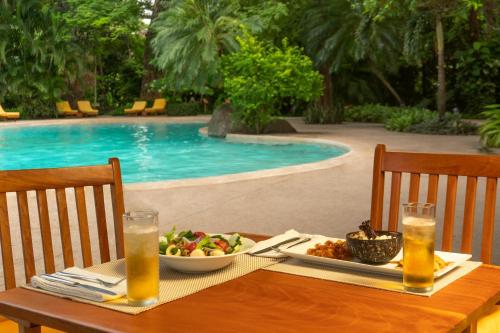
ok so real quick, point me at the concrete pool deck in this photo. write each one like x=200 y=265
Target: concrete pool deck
x=330 y=201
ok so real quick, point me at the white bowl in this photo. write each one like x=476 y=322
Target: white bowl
x=205 y=264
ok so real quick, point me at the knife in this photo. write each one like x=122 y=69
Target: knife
x=276 y=245
x=77 y=284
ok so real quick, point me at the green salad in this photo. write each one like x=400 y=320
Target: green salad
x=198 y=244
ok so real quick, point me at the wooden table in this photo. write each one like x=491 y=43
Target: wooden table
x=265 y=301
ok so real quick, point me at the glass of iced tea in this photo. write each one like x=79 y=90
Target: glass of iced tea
x=419 y=233
x=142 y=261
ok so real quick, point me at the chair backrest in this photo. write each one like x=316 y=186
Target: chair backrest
x=139 y=105
x=160 y=103
x=84 y=105
x=41 y=180
x=451 y=165
x=63 y=106
x=1 y=109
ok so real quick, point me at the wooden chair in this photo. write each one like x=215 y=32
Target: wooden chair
x=451 y=165
x=41 y=180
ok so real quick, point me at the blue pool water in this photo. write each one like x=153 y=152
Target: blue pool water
x=148 y=152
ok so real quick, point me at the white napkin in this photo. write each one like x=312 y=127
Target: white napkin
x=275 y=240
x=96 y=296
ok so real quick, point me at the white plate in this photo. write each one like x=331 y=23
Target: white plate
x=300 y=252
x=205 y=264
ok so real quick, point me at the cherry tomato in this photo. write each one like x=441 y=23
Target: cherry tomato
x=190 y=246
x=222 y=244
x=199 y=234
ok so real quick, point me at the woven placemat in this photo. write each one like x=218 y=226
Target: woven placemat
x=173 y=284
x=385 y=282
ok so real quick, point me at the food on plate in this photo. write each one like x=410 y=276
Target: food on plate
x=334 y=250
x=197 y=244
x=366 y=232
x=439 y=263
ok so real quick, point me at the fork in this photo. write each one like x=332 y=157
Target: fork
x=89 y=279
x=304 y=240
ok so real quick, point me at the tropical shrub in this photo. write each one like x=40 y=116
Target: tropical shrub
x=184 y=109
x=490 y=131
x=477 y=75
x=404 y=119
x=36 y=53
x=369 y=113
x=317 y=113
x=259 y=76
x=450 y=124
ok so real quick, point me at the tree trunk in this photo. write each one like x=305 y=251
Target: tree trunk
x=95 y=79
x=489 y=14
x=386 y=84
x=441 y=94
x=150 y=73
x=332 y=111
x=474 y=26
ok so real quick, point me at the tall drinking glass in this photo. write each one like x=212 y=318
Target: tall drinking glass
x=141 y=256
x=419 y=233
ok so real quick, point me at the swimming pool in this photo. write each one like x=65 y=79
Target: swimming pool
x=148 y=151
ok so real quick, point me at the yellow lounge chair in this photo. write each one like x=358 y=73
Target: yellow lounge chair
x=136 y=109
x=87 y=109
x=64 y=109
x=159 y=106
x=8 y=115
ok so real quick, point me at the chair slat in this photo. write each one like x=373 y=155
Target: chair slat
x=432 y=188
x=395 y=200
x=449 y=213
x=118 y=207
x=414 y=187
x=83 y=226
x=7 y=259
x=24 y=219
x=377 y=205
x=43 y=217
x=101 y=223
x=43 y=179
x=62 y=210
x=469 y=211
x=489 y=220
x=443 y=164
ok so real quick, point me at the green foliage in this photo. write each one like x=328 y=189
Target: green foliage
x=403 y=120
x=490 y=131
x=184 y=109
x=259 y=76
x=413 y=120
x=370 y=113
x=450 y=124
x=36 y=56
x=109 y=33
x=190 y=37
x=477 y=75
x=316 y=113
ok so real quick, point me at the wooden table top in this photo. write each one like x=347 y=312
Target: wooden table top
x=265 y=301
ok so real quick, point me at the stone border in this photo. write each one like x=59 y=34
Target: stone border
x=106 y=120
x=212 y=180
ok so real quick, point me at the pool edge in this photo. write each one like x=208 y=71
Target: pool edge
x=258 y=174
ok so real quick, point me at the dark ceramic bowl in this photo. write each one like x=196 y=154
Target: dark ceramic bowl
x=373 y=251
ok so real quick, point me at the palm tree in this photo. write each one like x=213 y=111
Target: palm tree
x=337 y=32
x=191 y=36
